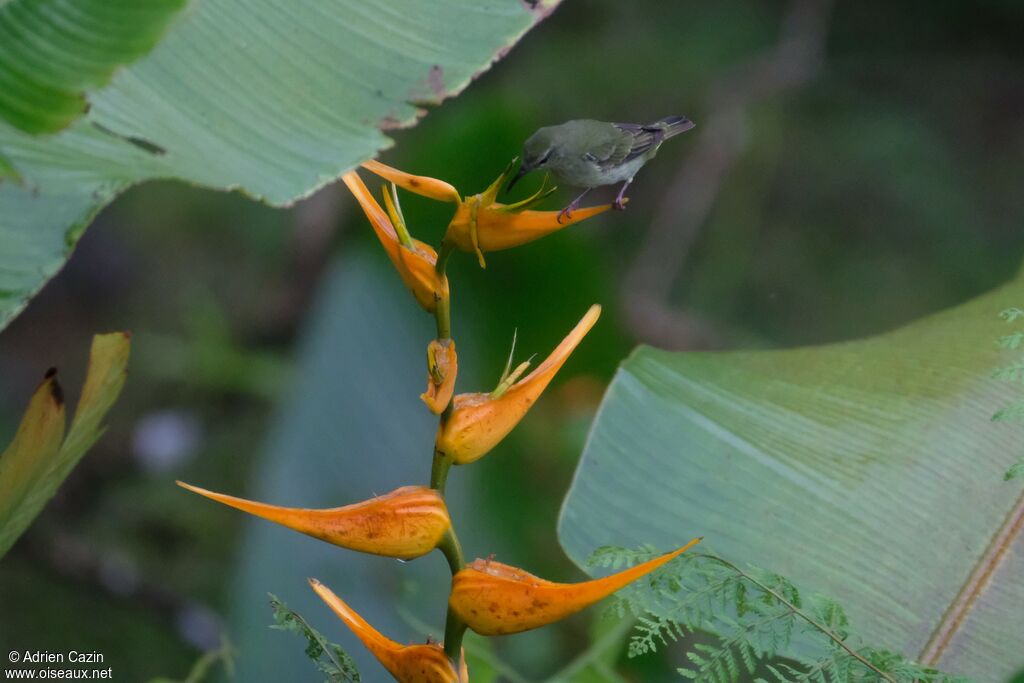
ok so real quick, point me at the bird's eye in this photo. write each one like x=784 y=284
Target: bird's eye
x=544 y=159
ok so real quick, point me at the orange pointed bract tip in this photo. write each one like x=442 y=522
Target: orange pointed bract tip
x=407 y=523
x=496 y=599
x=416 y=265
x=442 y=369
x=418 y=184
x=492 y=227
x=478 y=422
x=407 y=663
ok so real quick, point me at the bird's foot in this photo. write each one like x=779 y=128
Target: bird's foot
x=620 y=199
x=573 y=205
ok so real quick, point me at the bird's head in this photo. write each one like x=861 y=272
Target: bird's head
x=537 y=151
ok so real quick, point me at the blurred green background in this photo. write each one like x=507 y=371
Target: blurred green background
x=853 y=167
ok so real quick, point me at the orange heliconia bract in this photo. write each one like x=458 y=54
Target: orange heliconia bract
x=442 y=368
x=478 y=421
x=418 y=184
x=407 y=663
x=481 y=223
x=407 y=523
x=496 y=599
x=482 y=226
x=416 y=265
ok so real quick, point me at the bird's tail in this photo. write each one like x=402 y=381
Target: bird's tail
x=671 y=125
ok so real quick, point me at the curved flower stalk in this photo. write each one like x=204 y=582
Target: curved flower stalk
x=407 y=523
x=415 y=261
x=478 y=422
x=442 y=368
x=407 y=663
x=481 y=223
x=496 y=599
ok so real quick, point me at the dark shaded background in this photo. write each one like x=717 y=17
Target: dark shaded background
x=852 y=168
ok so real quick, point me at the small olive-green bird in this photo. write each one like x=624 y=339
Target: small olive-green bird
x=586 y=153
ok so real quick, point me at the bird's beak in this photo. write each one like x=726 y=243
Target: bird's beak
x=523 y=170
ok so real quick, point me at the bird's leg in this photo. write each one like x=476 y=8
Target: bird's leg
x=573 y=205
x=618 y=204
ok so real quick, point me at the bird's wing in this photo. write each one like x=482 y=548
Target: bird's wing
x=643 y=139
x=609 y=146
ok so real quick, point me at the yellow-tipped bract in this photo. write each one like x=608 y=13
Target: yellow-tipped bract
x=407 y=523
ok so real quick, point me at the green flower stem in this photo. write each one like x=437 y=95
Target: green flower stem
x=452 y=550
x=454 y=630
x=454 y=627
x=442 y=256
x=439 y=471
x=443 y=316
x=443 y=310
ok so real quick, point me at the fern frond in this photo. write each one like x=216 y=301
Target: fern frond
x=1013 y=372
x=330 y=659
x=1016 y=471
x=1011 y=413
x=1012 y=341
x=1011 y=314
x=752 y=616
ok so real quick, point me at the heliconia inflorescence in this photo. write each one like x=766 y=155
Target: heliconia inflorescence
x=486 y=596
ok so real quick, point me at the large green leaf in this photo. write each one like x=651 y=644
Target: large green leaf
x=40 y=457
x=869 y=471
x=271 y=98
x=51 y=51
